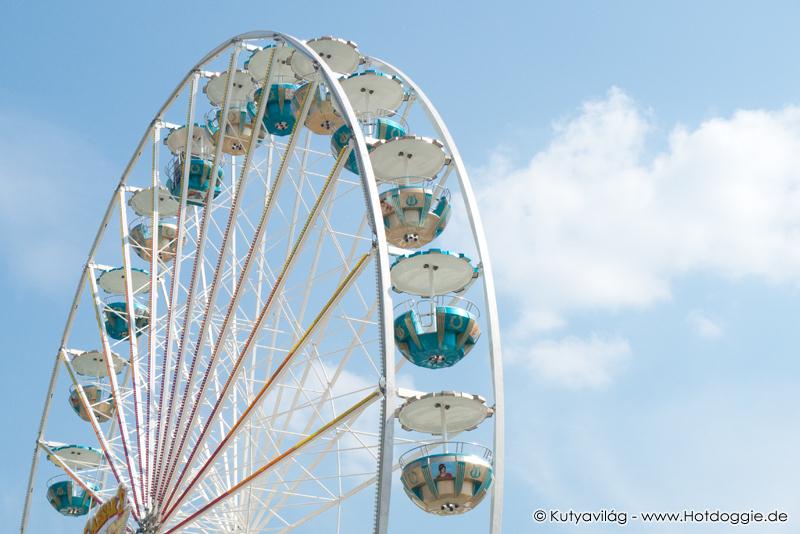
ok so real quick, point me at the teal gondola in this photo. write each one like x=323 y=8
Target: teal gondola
x=199 y=180
x=117 y=319
x=69 y=499
x=436 y=337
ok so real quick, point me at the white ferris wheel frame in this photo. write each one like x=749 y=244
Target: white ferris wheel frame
x=385 y=458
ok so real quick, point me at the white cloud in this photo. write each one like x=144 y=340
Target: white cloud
x=574 y=362
x=596 y=221
x=592 y=222
x=703 y=325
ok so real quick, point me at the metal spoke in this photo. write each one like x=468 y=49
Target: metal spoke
x=151 y=352
x=133 y=342
x=165 y=405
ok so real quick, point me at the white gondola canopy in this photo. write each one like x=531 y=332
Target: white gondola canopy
x=93 y=363
x=373 y=92
x=447 y=412
x=281 y=68
x=242 y=89
x=409 y=156
x=432 y=272
x=113 y=280
x=142 y=202
x=76 y=457
x=340 y=55
x=202 y=143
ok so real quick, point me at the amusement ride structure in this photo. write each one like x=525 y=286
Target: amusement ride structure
x=294 y=229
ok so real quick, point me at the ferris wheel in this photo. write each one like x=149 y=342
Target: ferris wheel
x=288 y=309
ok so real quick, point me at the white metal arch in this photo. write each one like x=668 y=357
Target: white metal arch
x=488 y=284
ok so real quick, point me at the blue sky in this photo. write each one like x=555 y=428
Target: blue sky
x=637 y=167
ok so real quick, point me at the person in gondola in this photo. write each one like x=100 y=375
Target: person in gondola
x=443 y=473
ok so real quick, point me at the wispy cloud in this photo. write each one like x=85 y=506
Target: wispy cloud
x=574 y=362
x=703 y=325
